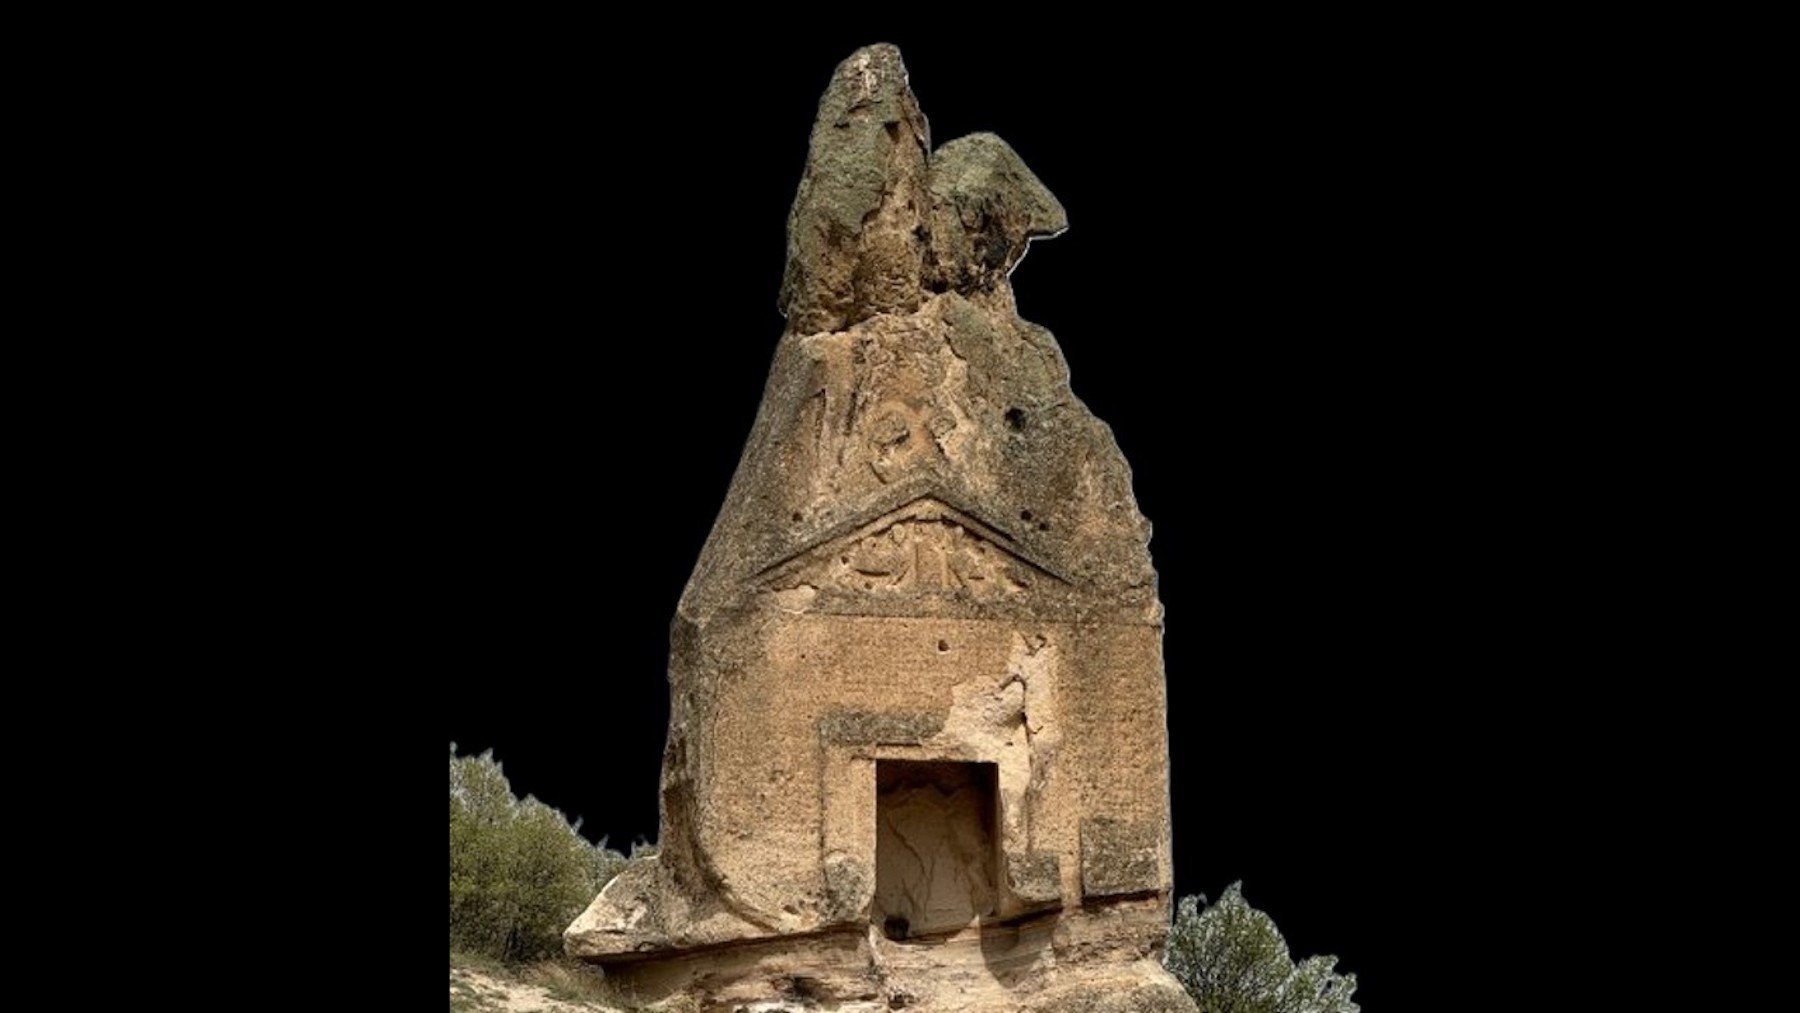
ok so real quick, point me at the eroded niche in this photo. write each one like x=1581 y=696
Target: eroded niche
x=936 y=860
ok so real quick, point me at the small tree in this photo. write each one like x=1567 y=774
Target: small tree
x=1232 y=959
x=519 y=872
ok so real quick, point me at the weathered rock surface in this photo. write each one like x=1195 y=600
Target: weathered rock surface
x=917 y=753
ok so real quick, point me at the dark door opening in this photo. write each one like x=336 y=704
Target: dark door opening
x=935 y=854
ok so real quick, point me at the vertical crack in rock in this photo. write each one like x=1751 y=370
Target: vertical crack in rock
x=930 y=589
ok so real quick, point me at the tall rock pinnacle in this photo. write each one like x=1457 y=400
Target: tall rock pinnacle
x=879 y=220
x=917 y=753
x=853 y=235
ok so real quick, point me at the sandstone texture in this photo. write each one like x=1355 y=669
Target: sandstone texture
x=917 y=754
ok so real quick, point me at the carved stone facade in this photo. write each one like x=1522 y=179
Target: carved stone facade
x=924 y=547
x=917 y=754
x=925 y=555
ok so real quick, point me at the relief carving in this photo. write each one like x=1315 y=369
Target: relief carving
x=924 y=548
x=928 y=554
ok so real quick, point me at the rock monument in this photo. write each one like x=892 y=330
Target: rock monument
x=917 y=754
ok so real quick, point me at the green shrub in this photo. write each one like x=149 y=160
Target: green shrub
x=1232 y=959
x=519 y=872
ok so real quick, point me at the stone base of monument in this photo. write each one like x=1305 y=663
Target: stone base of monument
x=1101 y=959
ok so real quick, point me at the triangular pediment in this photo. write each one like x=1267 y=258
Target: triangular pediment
x=926 y=546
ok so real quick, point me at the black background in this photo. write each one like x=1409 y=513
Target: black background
x=1291 y=286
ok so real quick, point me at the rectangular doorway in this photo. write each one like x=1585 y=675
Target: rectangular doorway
x=936 y=859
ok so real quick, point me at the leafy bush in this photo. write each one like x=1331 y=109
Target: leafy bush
x=1232 y=959
x=519 y=872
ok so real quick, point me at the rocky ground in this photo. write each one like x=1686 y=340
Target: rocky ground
x=546 y=988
